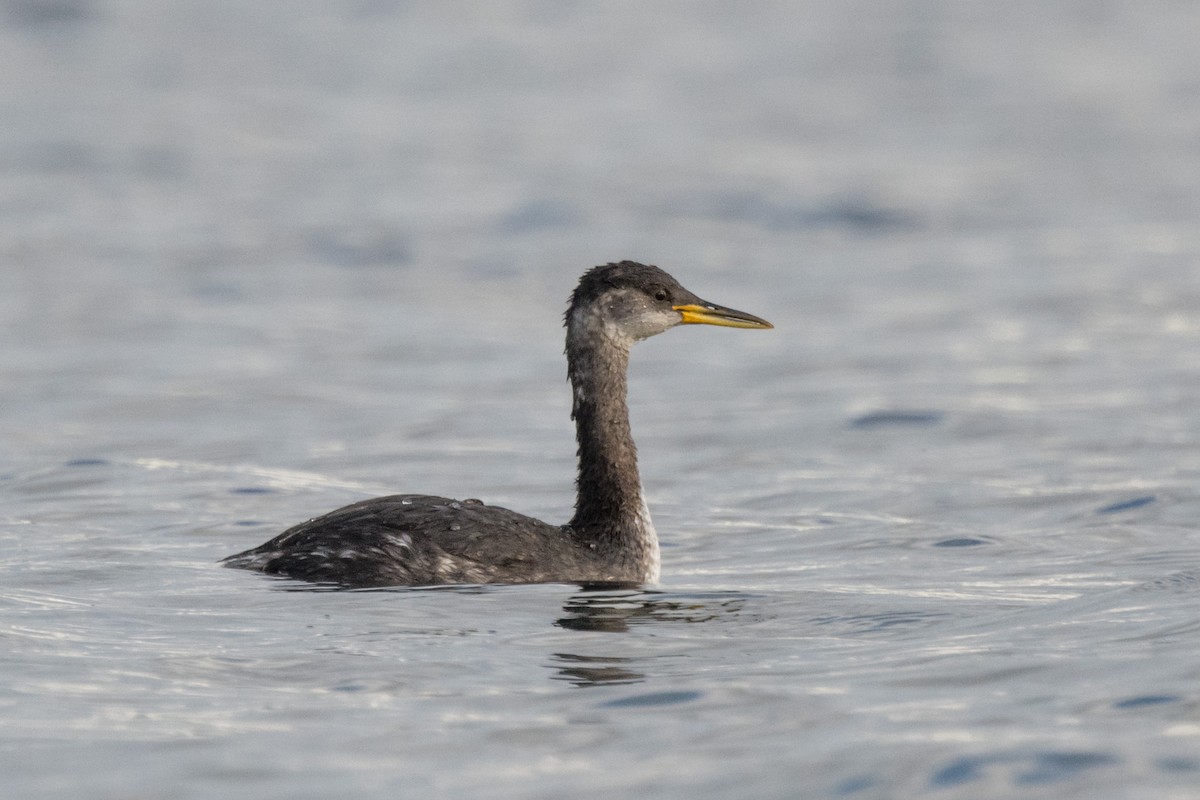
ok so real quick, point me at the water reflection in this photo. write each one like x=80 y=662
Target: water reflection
x=612 y=609
x=595 y=670
x=1027 y=769
x=601 y=609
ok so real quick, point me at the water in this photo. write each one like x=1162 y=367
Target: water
x=935 y=535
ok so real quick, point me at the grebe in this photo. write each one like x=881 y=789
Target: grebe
x=419 y=540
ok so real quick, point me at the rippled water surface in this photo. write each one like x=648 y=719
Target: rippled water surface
x=937 y=534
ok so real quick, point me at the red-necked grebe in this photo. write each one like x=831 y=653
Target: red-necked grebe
x=418 y=540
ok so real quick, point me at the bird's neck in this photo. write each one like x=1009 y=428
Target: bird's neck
x=610 y=512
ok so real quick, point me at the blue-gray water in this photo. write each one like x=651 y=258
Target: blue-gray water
x=935 y=535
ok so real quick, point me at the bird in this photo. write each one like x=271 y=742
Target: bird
x=423 y=540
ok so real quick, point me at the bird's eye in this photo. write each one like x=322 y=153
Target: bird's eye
x=661 y=295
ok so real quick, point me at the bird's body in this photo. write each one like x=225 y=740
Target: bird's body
x=415 y=540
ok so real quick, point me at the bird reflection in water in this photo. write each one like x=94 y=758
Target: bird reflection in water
x=596 y=670
x=610 y=610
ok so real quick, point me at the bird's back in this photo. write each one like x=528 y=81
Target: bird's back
x=414 y=540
